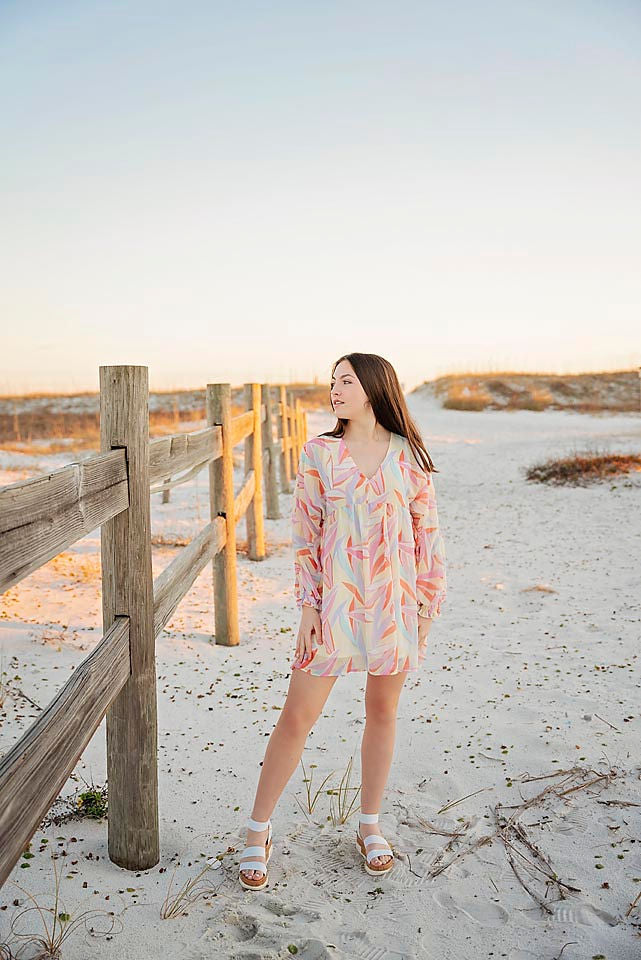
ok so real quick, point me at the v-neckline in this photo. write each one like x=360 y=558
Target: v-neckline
x=380 y=466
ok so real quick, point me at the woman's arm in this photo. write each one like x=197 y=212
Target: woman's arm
x=431 y=578
x=307 y=519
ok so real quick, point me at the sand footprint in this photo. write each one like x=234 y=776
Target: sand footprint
x=240 y=927
x=306 y=913
x=480 y=911
x=580 y=821
x=568 y=912
x=307 y=949
x=314 y=950
x=270 y=928
x=257 y=938
x=356 y=943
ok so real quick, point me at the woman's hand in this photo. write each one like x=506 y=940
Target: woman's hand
x=310 y=622
x=424 y=624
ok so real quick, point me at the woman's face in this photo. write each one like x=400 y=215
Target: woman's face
x=347 y=395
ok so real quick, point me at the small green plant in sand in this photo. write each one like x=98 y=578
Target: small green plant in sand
x=91 y=803
x=340 y=805
x=307 y=780
x=58 y=924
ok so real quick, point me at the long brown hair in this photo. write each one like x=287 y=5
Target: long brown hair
x=379 y=381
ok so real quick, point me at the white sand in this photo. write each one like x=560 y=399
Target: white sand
x=510 y=691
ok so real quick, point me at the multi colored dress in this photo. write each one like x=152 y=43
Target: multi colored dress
x=368 y=555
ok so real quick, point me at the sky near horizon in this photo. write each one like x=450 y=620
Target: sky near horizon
x=244 y=191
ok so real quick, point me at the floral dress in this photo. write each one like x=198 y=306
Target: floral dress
x=368 y=555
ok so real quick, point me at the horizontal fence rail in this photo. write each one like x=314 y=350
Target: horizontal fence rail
x=182 y=451
x=40 y=518
x=33 y=772
x=176 y=579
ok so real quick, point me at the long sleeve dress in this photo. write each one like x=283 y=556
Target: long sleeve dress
x=368 y=555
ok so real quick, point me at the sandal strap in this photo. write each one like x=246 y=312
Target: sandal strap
x=253 y=865
x=368 y=817
x=374 y=838
x=380 y=844
x=253 y=852
x=379 y=841
x=257 y=824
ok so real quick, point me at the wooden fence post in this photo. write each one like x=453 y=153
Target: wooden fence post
x=271 y=481
x=254 y=461
x=221 y=503
x=297 y=443
x=127 y=590
x=285 y=455
x=299 y=425
x=291 y=420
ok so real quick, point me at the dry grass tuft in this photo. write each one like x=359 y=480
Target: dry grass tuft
x=56 y=925
x=581 y=469
x=307 y=780
x=196 y=888
x=461 y=396
x=340 y=805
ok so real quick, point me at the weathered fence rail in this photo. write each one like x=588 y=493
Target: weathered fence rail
x=41 y=517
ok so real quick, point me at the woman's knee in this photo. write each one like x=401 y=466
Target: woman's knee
x=381 y=697
x=381 y=709
x=305 y=700
x=296 y=720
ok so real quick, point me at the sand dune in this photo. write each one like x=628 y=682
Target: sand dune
x=612 y=391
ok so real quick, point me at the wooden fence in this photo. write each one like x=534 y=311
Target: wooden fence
x=41 y=517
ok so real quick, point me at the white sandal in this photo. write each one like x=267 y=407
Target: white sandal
x=256 y=851
x=374 y=839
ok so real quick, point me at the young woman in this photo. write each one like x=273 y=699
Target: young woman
x=369 y=565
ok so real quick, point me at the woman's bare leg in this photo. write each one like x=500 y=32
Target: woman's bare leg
x=382 y=694
x=306 y=698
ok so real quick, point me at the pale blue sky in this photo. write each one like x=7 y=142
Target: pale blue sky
x=245 y=191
